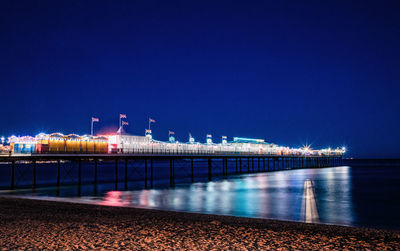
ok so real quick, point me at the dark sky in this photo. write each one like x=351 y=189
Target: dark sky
x=325 y=73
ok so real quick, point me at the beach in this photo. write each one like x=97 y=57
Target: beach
x=34 y=224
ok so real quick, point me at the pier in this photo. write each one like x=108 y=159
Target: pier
x=188 y=162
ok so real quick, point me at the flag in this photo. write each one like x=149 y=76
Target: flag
x=148 y=131
x=95 y=119
x=209 y=135
x=122 y=116
x=125 y=123
x=170 y=132
x=151 y=120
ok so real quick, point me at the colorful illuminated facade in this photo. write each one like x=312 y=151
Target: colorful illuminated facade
x=58 y=143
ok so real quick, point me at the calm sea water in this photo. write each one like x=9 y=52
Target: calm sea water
x=362 y=193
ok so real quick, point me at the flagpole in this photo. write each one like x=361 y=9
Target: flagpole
x=149 y=123
x=91 y=128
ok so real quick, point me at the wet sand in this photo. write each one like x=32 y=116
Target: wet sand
x=33 y=224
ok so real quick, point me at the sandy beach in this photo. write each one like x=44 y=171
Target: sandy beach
x=33 y=224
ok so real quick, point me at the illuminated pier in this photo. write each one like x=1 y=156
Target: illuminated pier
x=243 y=155
x=57 y=143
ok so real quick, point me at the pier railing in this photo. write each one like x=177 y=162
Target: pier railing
x=177 y=152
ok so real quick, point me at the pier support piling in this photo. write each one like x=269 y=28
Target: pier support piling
x=264 y=164
x=12 y=181
x=58 y=178
x=192 y=167
x=34 y=175
x=79 y=177
x=209 y=169
x=171 y=172
x=151 y=172
x=116 y=175
x=126 y=175
x=236 y=166
x=145 y=173
x=95 y=176
x=225 y=167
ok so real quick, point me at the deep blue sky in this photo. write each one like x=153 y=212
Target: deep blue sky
x=291 y=72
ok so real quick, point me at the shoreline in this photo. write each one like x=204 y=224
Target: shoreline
x=39 y=224
x=82 y=201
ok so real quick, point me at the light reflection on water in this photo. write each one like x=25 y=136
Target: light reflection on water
x=274 y=195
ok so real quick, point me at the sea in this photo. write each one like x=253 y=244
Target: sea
x=362 y=193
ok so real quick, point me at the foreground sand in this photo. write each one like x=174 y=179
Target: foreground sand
x=29 y=224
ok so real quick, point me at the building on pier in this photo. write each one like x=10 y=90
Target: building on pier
x=58 y=143
x=258 y=145
x=22 y=145
x=127 y=143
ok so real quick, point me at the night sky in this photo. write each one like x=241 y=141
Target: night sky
x=291 y=72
